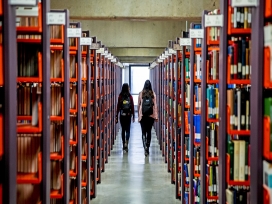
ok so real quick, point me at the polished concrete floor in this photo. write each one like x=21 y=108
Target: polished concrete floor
x=132 y=178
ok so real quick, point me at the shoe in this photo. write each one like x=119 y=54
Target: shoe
x=124 y=146
x=127 y=145
x=147 y=150
x=146 y=153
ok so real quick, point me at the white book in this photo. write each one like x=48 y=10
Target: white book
x=242 y=160
x=236 y=160
x=239 y=109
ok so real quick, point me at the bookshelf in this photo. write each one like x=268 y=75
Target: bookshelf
x=195 y=115
x=85 y=118
x=59 y=119
x=210 y=108
x=75 y=115
x=237 y=80
x=266 y=94
x=8 y=126
x=93 y=121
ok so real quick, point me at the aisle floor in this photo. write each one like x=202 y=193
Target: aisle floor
x=132 y=178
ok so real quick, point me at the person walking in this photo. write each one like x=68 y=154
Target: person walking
x=147 y=113
x=125 y=106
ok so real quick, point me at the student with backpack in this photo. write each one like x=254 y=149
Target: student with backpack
x=125 y=106
x=147 y=113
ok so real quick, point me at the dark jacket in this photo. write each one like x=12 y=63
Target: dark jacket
x=119 y=105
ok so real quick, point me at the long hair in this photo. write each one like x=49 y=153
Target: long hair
x=147 y=90
x=125 y=90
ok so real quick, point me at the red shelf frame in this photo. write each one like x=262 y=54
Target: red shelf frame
x=235 y=132
x=234 y=81
x=28 y=128
x=57 y=156
x=74 y=111
x=58 y=40
x=72 y=142
x=32 y=178
x=207 y=152
x=61 y=117
x=32 y=29
x=62 y=74
x=57 y=194
x=266 y=139
x=207 y=192
x=231 y=182
x=73 y=173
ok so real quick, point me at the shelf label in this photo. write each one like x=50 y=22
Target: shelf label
x=159 y=60
x=214 y=20
x=29 y=12
x=171 y=51
x=95 y=46
x=177 y=47
x=108 y=56
x=196 y=33
x=23 y=2
x=74 y=32
x=100 y=50
x=56 y=18
x=85 y=41
x=185 y=41
x=105 y=52
x=114 y=60
x=244 y=3
x=268 y=35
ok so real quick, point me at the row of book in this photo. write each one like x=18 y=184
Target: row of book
x=198 y=42
x=56 y=105
x=197 y=128
x=213 y=101
x=27 y=21
x=196 y=190
x=197 y=160
x=213 y=66
x=56 y=32
x=212 y=136
x=239 y=54
x=187 y=68
x=28 y=148
x=238 y=101
x=197 y=97
x=239 y=151
x=241 y=17
x=56 y=63
x=238 y=194
x=56 y=132
x=55 y=175
x=73 y=65
x=198 y=73
x=28 y=60
x=27 y=36
x=213 y=178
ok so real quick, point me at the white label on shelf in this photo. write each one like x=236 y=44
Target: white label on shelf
x=196 y=33
x=56 y=18
x=244 y=3
x=74 y=32
x=159 y=60
x=172 y=51
x=267 y=35
x=214 y=20
x=85 y=41
x=114 y=60
x=23 y=11
x=185 y=41
x=101 y=50
x=23 y=2
x=105 y=52
x=95 y=46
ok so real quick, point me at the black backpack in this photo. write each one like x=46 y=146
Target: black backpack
x=147 y=106
x=125 y=105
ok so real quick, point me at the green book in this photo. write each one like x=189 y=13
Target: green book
x=246 y=161
x=268 y=112
x=230 y=149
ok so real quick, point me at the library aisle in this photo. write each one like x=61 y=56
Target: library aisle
x=133 y=178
